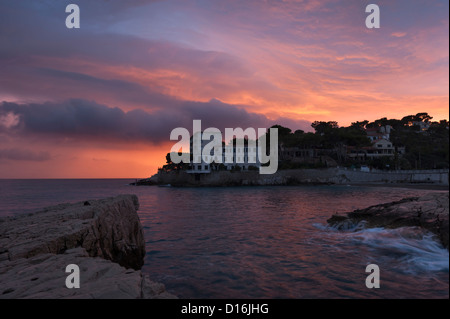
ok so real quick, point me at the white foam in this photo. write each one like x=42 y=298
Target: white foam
x=411 y=246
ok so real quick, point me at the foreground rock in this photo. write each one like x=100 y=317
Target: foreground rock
x=429 y=212
x=104 y=238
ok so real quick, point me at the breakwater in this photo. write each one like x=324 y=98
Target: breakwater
x=300 y=176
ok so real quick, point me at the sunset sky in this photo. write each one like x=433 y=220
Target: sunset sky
x=101 y=101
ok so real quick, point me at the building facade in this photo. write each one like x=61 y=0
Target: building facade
x=225 y=157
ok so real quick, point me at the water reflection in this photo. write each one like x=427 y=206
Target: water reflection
x=263 y=243
x=260 y=242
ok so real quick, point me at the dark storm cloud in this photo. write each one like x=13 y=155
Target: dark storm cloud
x=87 y=120
x=121 y=90
x=88 y=80
x=17 y=154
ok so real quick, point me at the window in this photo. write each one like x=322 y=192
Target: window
x=379 y=145
x=199 y=167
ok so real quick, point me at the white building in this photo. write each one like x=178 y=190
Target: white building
x=382 y=147
x=379 y=148
x=228 y=157
x=376 y=133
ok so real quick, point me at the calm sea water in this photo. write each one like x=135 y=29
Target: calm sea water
x=261 y=242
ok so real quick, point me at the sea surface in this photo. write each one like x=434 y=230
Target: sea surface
x=261 y=242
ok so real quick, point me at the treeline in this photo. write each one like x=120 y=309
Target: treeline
x=425 y=142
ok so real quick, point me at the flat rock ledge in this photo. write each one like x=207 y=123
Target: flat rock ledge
x=429 y=212
x=104 y=238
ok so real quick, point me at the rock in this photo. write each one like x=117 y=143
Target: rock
x=105 y=239
x=44 y=276
x=430 y=212
x=108 y=228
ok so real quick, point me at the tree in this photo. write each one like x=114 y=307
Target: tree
x=173 y=166
x=381 y=122
x=324 y=127
x=423 y=117
x=360 y=125
x=353 y=136
x=419 y=117
x=408 y=120
x=168 y=159
x=282 y=131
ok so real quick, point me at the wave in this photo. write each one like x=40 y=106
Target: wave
x=414 y=246
x=412 y=249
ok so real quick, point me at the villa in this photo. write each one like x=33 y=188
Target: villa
x=228 y=157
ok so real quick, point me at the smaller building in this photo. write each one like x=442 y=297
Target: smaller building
x=382 y=147
x=377 y=133
x=297 y=154
x=379 y=148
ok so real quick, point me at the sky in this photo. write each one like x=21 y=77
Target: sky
x=100 y=101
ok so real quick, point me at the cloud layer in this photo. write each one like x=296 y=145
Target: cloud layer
x=312 y=60
x=87 y=120
x=137 y=69
x=17 y=154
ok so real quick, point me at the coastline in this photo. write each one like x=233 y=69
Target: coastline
x=424 y=186
x=430 y=212
x=435 y=179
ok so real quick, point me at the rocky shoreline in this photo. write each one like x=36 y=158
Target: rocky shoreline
x=288 y=177
x=104 y=238
x=430 y=212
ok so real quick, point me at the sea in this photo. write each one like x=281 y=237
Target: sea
x=263 y=242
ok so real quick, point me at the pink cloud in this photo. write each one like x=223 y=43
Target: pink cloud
x=399 y=34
